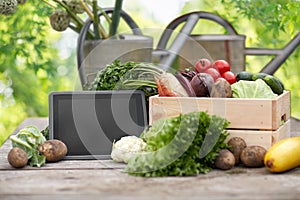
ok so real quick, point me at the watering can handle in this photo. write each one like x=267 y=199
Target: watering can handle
x=201 y=15
x=178 y=43
x=281 y=54
x=82 y=36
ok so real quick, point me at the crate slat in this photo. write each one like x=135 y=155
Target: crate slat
x=264 y=138
x=241 y=112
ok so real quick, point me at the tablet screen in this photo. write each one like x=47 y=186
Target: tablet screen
x=89 y=121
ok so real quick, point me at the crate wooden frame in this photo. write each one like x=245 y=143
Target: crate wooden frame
x=258 y=121
x=243 y=113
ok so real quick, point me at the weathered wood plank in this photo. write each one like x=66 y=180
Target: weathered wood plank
x=40 y=122
x=239 y=183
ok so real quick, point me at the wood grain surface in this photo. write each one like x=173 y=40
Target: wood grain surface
x=105 y=179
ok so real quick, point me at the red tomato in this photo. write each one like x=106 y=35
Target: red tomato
x=229 y=76
x=202 y=65
x=214 y=73
x=222 y=66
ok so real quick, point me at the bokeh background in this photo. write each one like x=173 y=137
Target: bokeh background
x=36 y=60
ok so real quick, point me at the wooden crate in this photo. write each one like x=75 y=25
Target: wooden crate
x=243 y=113
x=264 y=138
x=258 y=121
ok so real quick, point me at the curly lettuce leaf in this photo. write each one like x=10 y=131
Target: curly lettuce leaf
x=180 y=146
x=252 y=89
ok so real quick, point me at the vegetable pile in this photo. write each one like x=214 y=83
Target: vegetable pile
x=214 y=79
x=31 y=147
x=28 y=139
x=266 y=83
x=207 y=79
x=194 y=143
x=239 y=153
x=201 y=81
x=180 y=146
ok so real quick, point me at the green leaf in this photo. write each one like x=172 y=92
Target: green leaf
x=28 y=139
x=180 y=146
x=128 y=75
x=37 y=160
x=252 y=89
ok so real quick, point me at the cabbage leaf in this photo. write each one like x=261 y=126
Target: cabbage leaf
x=28 y=139
x=252 y=89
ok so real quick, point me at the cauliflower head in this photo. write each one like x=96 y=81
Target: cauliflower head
x=126 y=147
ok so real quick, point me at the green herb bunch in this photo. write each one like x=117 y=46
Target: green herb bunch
x=180 y=146
x=127 y=76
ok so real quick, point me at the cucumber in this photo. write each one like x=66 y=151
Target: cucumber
x=274 y=83
x=260 y=75
x=243 y=75
x=280 y=82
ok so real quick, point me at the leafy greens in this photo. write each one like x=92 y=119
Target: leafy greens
x=129 y=75
x=252 y=89
x=28 y=139
x=180 y=146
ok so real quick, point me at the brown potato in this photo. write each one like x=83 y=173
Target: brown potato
x=237 y=144
x=17 y=157
x=53 y=150
x=253 y=156
x=221 y=89
x=225 y=160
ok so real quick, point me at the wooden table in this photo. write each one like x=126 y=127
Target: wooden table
x=104 y=179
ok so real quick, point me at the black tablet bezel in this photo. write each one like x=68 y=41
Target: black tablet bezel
x=55 y=97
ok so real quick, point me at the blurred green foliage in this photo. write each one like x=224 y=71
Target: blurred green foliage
x=28 y=66
x=31 y=65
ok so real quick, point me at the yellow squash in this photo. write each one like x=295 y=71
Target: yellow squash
x=283 y=155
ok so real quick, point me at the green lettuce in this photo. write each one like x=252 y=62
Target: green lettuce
x=252 y=89
x=180 y=146
x=28 y=139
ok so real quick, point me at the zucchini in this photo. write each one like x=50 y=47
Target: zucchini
x=244 y=75
x=274 y=83
x=259 y=75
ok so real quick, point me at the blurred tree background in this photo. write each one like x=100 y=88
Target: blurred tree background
x=30 y=65
x=33 y=62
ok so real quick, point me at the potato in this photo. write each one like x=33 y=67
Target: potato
x=225 y=160
x=17 y=157
x=253 y=156
x=53 y=150
x=237 y=144
x=221 y=89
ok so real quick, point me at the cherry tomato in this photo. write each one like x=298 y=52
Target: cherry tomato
x=202 y=65
x=229 y=76
x=214 y=73
x=222 y=66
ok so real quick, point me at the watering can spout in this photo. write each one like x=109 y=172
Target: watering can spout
x=282 y=55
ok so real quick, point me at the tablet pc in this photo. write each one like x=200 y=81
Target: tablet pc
x=88 y=122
